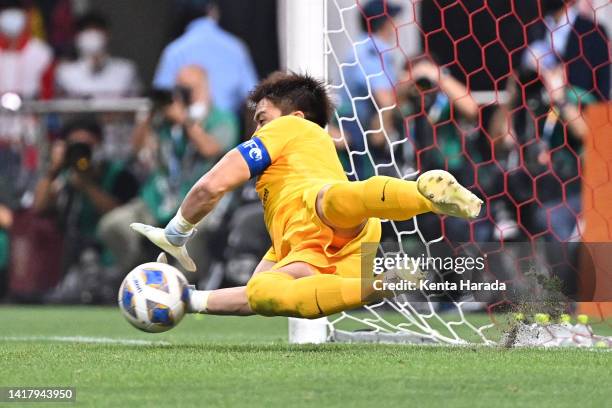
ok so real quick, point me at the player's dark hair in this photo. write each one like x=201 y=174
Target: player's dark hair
x=92 y=20
x=292 y=92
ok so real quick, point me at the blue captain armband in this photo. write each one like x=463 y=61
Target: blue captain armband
x=256 y=155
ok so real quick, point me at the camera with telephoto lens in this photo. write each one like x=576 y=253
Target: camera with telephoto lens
x=183 y=94
x=78 y=157
x=160 y=98
x=424 y=84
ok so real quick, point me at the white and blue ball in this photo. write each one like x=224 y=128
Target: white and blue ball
x=153 y=297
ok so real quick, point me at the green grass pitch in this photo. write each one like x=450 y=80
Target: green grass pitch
x=246 y=362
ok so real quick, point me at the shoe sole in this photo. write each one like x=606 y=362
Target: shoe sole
x=448 y=196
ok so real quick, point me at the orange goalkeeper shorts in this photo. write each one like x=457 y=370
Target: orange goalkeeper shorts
x=299 y=235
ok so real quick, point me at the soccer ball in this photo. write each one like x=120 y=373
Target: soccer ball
x=153 y=297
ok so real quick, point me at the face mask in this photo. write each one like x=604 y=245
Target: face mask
x=91 y=42
x=12 y=22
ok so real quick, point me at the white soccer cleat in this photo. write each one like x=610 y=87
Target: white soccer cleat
x=158 y=237
x=447 y=195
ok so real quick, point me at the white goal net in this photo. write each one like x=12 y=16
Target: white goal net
x=360 y=65
x=395 y=118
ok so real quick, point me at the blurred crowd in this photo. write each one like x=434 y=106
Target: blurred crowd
x=522 y=153
x=67 y=196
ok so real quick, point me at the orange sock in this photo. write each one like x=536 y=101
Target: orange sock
x=349 y=204
x=276 y=293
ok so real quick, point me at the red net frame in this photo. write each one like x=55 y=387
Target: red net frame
x=486 y=46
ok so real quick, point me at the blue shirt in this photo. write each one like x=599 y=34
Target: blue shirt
x=225 y=58
x=372 y=64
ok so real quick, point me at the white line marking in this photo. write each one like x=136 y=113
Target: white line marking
x=85 y=339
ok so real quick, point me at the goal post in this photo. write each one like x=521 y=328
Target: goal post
x=302 y=27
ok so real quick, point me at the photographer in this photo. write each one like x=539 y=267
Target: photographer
x=543 y=132
x=575 y=41
x=369 y=95
x=444 y=115
x=443 y=129
x=182 y=138
x=79 y=187
x=548 y=129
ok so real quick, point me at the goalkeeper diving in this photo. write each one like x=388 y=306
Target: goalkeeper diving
x=317 y=218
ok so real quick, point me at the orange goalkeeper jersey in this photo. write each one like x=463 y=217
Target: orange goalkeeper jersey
x=299 y=154
x=294 y=158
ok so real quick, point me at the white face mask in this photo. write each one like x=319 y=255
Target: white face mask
x=12 y=22
x=91 y=42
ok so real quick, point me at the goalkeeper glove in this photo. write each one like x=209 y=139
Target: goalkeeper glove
x=172 y=239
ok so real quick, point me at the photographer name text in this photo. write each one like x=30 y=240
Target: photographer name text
x=427 y=285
